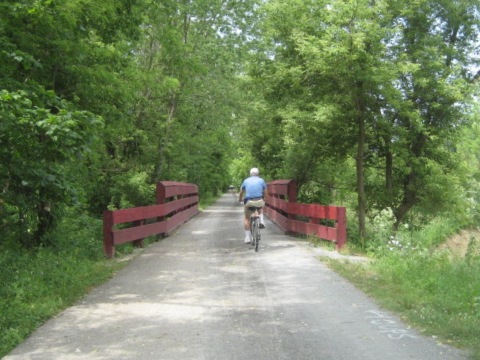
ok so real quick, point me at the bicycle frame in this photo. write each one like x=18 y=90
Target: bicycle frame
x=255 y=226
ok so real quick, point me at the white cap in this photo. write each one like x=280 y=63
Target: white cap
x=254 y=171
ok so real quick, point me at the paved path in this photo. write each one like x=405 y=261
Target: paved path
x=202 y=294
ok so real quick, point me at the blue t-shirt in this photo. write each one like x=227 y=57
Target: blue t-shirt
x=253 y=187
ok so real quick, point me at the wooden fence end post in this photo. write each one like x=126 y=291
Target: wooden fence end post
x=139 y=243
x=292 y=191
x=160 y=193
x=108 y=246
x=341 y=227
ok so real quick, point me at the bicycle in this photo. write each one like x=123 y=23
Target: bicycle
x=255 y=226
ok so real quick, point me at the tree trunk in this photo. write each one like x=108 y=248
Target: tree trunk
x=45 y=220
x=360 y=165
x=388 y=172
x=362 y=207
x=408 y=201
x=162 y=151
x=410 y=186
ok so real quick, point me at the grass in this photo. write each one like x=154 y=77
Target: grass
x=37 y=284
x=431 y=291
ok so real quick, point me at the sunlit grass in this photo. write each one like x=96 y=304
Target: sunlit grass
x=433 y=292
x=37 y=284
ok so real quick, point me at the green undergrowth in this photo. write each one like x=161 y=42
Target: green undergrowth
x=37 y=284
x=431 y=290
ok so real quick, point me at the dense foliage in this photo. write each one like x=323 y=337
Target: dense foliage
x=101 y=99
x=369 y=99
x=366 y=104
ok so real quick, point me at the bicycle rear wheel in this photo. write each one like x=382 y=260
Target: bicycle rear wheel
x=255 y=224
x=257 y=238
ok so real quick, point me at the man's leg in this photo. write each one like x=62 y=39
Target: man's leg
x=246 y=226
x=262 y=223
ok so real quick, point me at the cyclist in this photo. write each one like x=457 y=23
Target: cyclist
x=253 y=192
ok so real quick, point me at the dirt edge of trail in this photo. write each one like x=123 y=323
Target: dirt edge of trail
x=466 y=242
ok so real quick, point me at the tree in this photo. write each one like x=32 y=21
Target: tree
x=191 y=55
x=326 y=75
x=38 y=137
x=50 y=51
x=433 y=46
x=376 y=81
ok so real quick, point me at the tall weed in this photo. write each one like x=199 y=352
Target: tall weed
x=37 y=284
x=437 y=295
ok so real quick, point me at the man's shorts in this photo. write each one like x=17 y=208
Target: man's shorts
x=255 y=203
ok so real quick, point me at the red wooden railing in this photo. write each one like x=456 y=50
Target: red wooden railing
x=282 y=208
x=176 y=203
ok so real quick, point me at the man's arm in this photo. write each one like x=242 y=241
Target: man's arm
x=240 y=195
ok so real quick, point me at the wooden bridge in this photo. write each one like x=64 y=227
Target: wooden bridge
x=177 y=202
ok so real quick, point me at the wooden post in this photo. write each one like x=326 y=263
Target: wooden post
x=341 y=227
x=292 y=191
x=108 y=247
x=160 y=193
x=292 y=196
x=138 y=243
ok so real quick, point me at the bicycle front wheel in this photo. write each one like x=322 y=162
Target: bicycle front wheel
x=255 y=233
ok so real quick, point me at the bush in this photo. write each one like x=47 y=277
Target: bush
x=37 y=284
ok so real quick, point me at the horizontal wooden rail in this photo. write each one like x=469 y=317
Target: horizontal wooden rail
x=177 y=203
x=282 y=208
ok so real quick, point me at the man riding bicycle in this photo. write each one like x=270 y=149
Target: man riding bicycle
x=255 y=190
